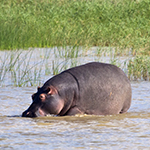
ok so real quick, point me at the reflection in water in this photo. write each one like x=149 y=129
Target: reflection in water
x=124 y=131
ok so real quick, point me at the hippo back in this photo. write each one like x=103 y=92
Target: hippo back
x=102 y=88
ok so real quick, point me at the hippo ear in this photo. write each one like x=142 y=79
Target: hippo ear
x=51 y=90
x=38 y=88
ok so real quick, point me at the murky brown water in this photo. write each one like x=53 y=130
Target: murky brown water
x=126 y=131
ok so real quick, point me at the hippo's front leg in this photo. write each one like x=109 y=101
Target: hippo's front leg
x=73 y=111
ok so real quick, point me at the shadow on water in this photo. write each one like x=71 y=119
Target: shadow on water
x=14 y=116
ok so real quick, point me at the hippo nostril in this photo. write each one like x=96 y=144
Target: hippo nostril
x=27 y=113
x=42 y=97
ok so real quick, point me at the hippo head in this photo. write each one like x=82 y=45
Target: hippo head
x=45 y=102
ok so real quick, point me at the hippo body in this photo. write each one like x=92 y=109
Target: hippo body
x=94 y=88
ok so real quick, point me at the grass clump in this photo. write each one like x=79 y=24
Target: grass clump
x=138 y=68
x=36 y=23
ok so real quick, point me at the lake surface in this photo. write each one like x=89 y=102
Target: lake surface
x=126 y=131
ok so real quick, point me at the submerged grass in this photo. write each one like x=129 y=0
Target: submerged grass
x=58 y=67
x=32 y=68
x=16 y=69
x=36 y=23
x=29 y=68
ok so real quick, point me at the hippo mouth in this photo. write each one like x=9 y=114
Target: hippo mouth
x=38 y=113
x=41 y=113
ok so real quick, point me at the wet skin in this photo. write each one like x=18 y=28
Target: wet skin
x=94 y=88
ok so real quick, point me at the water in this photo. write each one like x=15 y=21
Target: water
x=126 y=131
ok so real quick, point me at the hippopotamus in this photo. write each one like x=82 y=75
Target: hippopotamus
x=94 y=89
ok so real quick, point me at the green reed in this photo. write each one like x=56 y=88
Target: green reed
x=29 y=68
x=36 y=23
x=67 y=52
x=15 y=67
x=58 y=67
x=139 y=68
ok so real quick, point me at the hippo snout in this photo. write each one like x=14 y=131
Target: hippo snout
x=28 y=114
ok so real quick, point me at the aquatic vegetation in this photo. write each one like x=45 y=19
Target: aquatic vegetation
x=67 y=52
x=15 y=66
x=58 y=67
x=32 y=67
x=139 y=68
